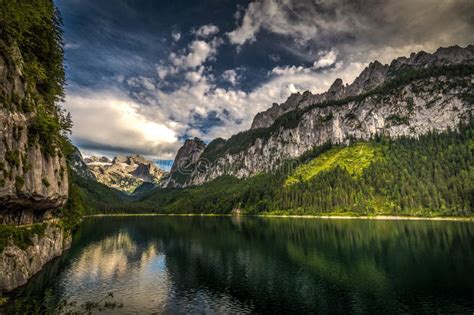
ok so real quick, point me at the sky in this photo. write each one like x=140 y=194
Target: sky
x=144 y=75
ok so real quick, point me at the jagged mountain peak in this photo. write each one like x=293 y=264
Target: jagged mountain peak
x=371 y=77
x=125 y=173
x=337 y=88
x=187 y=155
x=130 y=159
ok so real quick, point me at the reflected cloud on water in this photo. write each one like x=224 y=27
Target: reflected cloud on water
x=243 y=265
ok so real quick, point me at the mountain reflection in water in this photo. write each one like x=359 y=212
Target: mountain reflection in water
x=222 y=264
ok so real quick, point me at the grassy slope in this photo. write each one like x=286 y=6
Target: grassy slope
x=354 y=159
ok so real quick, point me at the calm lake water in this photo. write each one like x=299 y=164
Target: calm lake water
x=263 y=265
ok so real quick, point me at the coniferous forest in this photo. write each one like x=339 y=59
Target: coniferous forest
x=429 y=176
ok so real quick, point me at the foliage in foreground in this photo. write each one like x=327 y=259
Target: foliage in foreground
x=49 y=304
x=20 y=236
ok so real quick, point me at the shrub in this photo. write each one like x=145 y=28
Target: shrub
x=13 y=158
x=19 y=183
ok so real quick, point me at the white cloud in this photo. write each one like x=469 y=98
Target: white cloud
x=176 y=36
x=290 y=70
x=194 y=76
x=274 y=16
x=197 y=53
x=231 y=76
x=114 y=120
x=206 y=31
x=162 y=71
x=142 y=82
x=326 y=59
x=71 y=46
x=251 y=23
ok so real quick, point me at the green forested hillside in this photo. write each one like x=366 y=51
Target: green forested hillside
x=432 y=175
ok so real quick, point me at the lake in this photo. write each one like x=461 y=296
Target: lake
x=265 y=265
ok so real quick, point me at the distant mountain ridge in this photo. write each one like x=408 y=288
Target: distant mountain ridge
x=124 y=173
x=410 y=97
x=371 y=77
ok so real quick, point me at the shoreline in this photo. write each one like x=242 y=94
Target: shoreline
x=337 y=217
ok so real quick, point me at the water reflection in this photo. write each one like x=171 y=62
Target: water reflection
x=215 y=265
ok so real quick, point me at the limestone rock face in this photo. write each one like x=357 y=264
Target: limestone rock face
x=78 y=165
x=187 y=155
x=18 y=265
x=371 y=77
x=125 y=173
x=32 y=183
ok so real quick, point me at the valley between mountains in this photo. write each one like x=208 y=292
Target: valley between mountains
x=396 y=141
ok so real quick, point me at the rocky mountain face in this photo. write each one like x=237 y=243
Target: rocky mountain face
x=32 y=183
x=125 y=173
x=17 y=265
x=371 y=77
x=410 y=97
x=78 y=165
x=33 y=171
x=188 y=155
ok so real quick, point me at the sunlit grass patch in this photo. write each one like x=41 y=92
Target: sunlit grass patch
x=354 y=159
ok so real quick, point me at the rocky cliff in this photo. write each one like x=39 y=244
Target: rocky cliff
x=125 y=173
x=374 y=75
x=18 y=264
x=33 y=182
x=186 y=158
x=33 y=139
x=78 y=165
x=410 y=97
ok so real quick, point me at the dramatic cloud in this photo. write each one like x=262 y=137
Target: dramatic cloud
x=113 y=120
x=206 y=71
x=372 y=22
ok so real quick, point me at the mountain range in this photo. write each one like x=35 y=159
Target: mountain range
x=124 y=173
x=408 y=97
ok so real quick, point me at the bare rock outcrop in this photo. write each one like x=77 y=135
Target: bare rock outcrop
x=17 y=265
x=32 y=182
x=374 y=75
x=125 y=173
x=188 y=155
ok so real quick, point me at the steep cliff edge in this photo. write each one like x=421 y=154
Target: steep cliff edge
x=423 y=93
x=186 y=158
x=34 y=179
